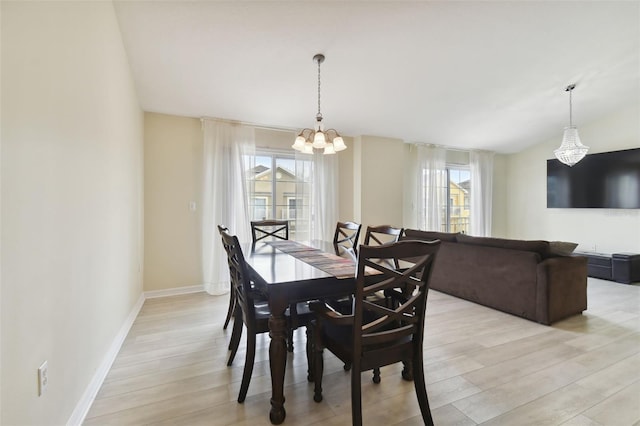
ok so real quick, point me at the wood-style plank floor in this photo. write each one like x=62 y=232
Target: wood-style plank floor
x=482 y=367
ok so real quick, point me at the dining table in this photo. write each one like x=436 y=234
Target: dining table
x=289 y=272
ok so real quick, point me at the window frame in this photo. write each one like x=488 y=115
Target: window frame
x=449 y=205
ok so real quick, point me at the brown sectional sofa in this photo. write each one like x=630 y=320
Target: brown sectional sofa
x=523 y=278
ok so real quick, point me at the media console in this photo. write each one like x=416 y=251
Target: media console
x=619 y=267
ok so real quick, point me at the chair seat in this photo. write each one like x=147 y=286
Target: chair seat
x=339 y=339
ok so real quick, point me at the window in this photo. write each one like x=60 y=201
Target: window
x=278 y=187
x=260 y=208
x=456 y=214
x=291 y=208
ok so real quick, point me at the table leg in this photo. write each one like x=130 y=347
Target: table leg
x=277 y=361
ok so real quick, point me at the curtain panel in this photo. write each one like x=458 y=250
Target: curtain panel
x=431 y=187
x=227 y=148
x=318 y=183
x=481 y=165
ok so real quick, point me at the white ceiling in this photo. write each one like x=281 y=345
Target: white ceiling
x=467 y=74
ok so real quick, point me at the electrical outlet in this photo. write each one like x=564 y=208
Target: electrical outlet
x=43 y=378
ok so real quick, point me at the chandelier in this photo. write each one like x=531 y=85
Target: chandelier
x=571 y=150
x=328 y=140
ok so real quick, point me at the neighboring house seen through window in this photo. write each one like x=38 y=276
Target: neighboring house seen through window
x=273 y=188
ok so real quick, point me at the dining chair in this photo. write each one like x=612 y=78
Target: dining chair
x=346 y=238
x=250 y=310
x=374 y=335
x=383 y=234
x=261 y=229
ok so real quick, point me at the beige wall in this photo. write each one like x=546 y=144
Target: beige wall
x=172 y=175
x=379 y=166
x=72 y=135
x=605 y=230
x=499 y=216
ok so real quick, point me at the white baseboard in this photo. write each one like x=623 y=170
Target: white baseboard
x=173 y=291
x=83 y=406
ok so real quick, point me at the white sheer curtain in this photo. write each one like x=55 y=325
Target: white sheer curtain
x=431 y=188
x=481 y=164
x=318 y=193
x=224 y=200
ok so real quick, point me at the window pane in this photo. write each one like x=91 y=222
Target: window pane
x=459 y=211
x=454 y=187
x=284 y=186
x=279 y=188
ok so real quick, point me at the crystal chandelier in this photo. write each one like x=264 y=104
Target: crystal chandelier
x=571 y=150
x=328 y=140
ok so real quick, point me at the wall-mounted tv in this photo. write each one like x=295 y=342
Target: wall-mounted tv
x=610 y=180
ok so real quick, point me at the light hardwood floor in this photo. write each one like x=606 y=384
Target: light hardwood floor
x=482 y=367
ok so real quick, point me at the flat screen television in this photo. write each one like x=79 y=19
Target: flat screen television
x=610 y=180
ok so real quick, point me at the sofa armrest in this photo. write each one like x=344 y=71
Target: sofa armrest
x=562 y=288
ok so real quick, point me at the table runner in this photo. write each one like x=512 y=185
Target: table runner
x=330 y=263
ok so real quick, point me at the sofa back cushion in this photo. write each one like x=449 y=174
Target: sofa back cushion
x=537 y=246
x=496 y=277
x=416 y=234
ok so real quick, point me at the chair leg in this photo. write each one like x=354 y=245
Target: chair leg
x=421 y=391
x=318 y=366
x=236 y=334
x=292 y=325
x=310 y=353
x=232 y=305
x=248 y=365
x=356 y=394
x=407 y=371
x=290 y=339
x=376 y=375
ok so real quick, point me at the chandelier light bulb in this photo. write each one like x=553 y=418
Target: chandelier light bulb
x=319 y=140
x=299 y=143
x=338 y=144
x=308 y=148
x=329 y=149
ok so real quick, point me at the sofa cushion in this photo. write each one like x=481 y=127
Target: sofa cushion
x=561 y=248
x=416 y=234
x=537 y=246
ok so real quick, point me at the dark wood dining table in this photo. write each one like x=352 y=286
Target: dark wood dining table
x=286 y=278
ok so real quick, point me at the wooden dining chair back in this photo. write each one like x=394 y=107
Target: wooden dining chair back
x=232 y=294
x=346 y=237
x=375 y=335
x=276 y=229
x=383 y=234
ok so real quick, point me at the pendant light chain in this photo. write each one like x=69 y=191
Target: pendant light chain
x=570 y=90
x=319 y=115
